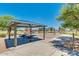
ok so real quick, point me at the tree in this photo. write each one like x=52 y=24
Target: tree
x=4 y=21
x=61 y=29
x=51 y=29
x=40 y=30
x=70 y=16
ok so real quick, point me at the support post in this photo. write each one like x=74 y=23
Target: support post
x=30 y=30
x=44 y=32
x=30 y=33
x=15 y=37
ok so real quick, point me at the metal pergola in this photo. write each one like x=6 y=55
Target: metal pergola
x=20 y=23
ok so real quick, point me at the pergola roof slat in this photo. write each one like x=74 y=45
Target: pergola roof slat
x=24 y=23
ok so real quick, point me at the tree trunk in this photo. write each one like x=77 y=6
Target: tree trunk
x=8 y=32
x=76 y=32
x=73 y=38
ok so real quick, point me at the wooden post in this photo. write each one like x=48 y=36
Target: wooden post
x=30 y=33
x=44 y=32
x=30 y=30
x=15 y=37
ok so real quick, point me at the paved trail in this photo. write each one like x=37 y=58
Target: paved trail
x=38 y=48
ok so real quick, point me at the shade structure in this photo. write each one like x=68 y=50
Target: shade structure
x=20 y=23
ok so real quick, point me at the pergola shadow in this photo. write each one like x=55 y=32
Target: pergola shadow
x=20 y=41
x=59 y=44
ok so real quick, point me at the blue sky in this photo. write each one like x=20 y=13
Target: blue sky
x=44 y=13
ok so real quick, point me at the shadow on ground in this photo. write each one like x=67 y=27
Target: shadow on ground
x=59 y=44
x=21 y=40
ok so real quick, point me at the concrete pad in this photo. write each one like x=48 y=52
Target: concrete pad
x=37 y=48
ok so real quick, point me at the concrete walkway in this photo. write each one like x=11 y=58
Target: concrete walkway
x=38 y=48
